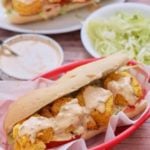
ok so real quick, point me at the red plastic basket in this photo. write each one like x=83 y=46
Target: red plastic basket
x=121 y=136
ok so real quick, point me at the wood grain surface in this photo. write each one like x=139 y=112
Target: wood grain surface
x=74 y=51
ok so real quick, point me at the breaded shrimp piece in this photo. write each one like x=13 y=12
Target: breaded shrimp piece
x=57 y=104
x=27 y=7
x=103 y=118
x=24 y=143
x=133 y=88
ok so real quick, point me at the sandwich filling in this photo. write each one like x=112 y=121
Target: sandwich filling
x=80 y=112
x=35 y=7
x=125 y=87
x=71 y=119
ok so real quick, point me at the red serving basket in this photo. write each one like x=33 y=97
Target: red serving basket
x=121 y=136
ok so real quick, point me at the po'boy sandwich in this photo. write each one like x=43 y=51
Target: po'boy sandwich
x=26 y=11
x=79 y=104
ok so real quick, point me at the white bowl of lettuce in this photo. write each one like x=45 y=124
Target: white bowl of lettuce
x=119 y=27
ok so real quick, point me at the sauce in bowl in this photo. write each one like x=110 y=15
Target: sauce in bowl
x=36 y=54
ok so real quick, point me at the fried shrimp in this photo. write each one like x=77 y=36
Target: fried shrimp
x=103 y=118
x=24 y=142
x=27 y=7
x=125 y=87
x=81 y=98
x=46 y=112
x=56 y=105
x=100 y=103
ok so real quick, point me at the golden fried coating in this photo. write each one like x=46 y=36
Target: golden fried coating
x=136 y=87
x=115 y=76
x=15 y=130
x=46 y=135
x=45 y=112
x=70 y=129
x=97 y=119
x=57 y=104
x=91 y=124
x=27 y=8
x=80 y=97
x=120 y=99
x=103 y=118
x=38 y=145
x=24 y=143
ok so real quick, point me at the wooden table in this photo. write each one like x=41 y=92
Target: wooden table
x=74 y=50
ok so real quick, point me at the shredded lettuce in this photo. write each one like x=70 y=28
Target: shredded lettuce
x=144 y=55
x=43 y=15
x=9 y=11
x=128 y=32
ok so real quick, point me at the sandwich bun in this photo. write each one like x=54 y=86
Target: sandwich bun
x=70 y=82
x=50 y=11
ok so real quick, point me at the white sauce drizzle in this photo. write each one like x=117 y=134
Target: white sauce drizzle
x=34 y=57
x=70 y=114
x=123 y=87
x=95 y=97
x=33 y=125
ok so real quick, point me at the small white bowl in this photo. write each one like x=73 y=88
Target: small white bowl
x=107 y=12
x=37 y=54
